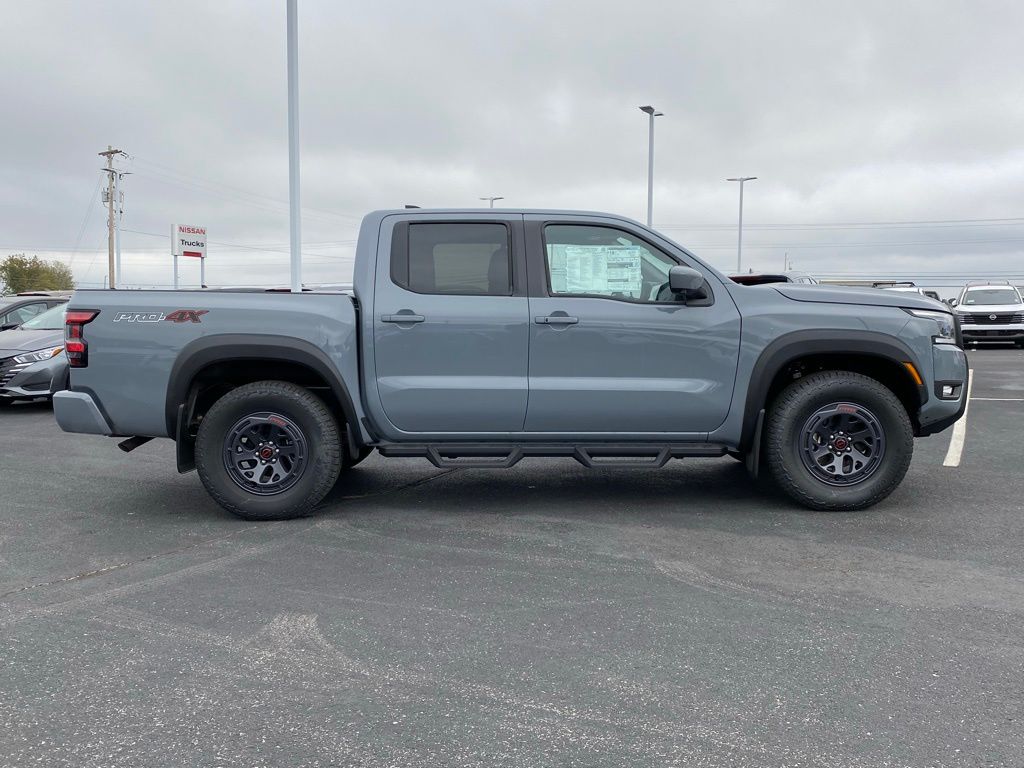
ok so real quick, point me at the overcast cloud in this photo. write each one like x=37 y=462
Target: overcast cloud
x=848 y=112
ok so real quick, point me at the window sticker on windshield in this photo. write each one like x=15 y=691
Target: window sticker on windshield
x=603 y=269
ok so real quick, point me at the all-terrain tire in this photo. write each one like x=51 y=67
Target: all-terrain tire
x=798 y=402
x=322 y=455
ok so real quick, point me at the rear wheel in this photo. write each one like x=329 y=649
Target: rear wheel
x=270 y=450
x=838 y=440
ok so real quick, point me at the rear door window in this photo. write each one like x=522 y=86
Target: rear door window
x=453 y=258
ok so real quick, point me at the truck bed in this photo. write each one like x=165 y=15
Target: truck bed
x=141 y=340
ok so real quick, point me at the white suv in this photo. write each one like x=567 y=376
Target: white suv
x=991 y=312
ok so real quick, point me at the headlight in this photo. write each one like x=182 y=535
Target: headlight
x=944 y=321
x=39 y=355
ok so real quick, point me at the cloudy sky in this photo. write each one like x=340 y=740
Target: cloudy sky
x=888 y=138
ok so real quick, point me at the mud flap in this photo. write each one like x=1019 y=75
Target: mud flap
x=753 y=460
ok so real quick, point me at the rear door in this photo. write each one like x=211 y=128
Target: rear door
x=451 y=324
x=612 y=350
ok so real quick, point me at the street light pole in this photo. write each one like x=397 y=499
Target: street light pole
x=295 y=210
x=652 y=113
x=739 y=240
x=492 y=199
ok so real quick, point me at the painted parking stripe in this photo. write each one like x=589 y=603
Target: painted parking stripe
x=956 y=442
x=1000 y=399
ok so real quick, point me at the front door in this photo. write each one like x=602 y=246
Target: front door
x=612 y=350
x=451 y=326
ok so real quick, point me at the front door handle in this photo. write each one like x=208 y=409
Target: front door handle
x=402 y=317
x=556 y=320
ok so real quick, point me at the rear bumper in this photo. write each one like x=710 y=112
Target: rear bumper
x=78 y=412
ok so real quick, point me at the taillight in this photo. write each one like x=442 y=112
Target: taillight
x=75 y=347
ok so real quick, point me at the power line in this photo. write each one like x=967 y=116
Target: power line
x=211 y=185
x=1013 y=221
x=85 y=220
x=236 y=245
x=864 y=244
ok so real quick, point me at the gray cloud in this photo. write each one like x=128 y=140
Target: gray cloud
x=848 y=113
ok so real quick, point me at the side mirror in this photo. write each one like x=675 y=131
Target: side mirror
x=684 y=279
x=953 y=302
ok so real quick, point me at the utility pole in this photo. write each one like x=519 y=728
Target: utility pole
x=492 y=199
x=651 y=113
x=739 y=239
x=113 y=210
x=295 y=210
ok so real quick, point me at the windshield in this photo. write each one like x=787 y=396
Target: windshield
x=50 y=320
x=991 y=296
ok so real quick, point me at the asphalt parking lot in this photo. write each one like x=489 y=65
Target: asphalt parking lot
x=546 y=615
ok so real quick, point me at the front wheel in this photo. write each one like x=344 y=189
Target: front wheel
x=838 y=440
x=268 y=451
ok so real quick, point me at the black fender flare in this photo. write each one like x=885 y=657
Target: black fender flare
x=791 y=346
x=227 y=347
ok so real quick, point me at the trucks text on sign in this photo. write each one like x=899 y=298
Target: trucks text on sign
x=190 y=241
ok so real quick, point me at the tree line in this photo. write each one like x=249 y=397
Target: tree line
x=20 y=273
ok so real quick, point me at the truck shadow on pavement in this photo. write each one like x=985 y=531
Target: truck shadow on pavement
x=718 y=486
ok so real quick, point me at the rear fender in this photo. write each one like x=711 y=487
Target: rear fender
x=223 y=348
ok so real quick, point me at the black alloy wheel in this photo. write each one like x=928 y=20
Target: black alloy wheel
x=842 y=444
x=265 y=453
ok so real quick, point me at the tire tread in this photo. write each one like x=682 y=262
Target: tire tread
x=788 y=403
x=329 y=456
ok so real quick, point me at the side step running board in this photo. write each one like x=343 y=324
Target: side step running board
x=504 y=455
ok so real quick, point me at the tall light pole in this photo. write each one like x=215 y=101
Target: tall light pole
x=491 y=200
x=651 y=113
x=739 y=240
x=295 y=210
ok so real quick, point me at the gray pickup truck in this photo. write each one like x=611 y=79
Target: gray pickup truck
x=477 y=338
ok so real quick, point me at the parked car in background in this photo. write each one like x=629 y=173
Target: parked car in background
x=32 y=361
x=906 y=287
x=991 y=312
x=15 y=310
x=780 y=277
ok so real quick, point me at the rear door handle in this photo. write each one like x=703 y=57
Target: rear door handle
x=556 y=320
x=402 y=318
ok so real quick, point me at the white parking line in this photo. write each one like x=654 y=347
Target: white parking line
x=1000 y=399
x=956 y=442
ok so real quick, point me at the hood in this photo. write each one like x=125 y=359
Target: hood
x=16 y=342
x=989 y=309
x=836 y=294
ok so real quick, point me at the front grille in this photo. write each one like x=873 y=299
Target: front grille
x=9 y=369
x=988 y=332
x=992 y=318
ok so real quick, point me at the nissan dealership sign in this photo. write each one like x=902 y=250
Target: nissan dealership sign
x=190 y=241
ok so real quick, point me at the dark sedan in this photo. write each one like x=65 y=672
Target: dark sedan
x=32 y=361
